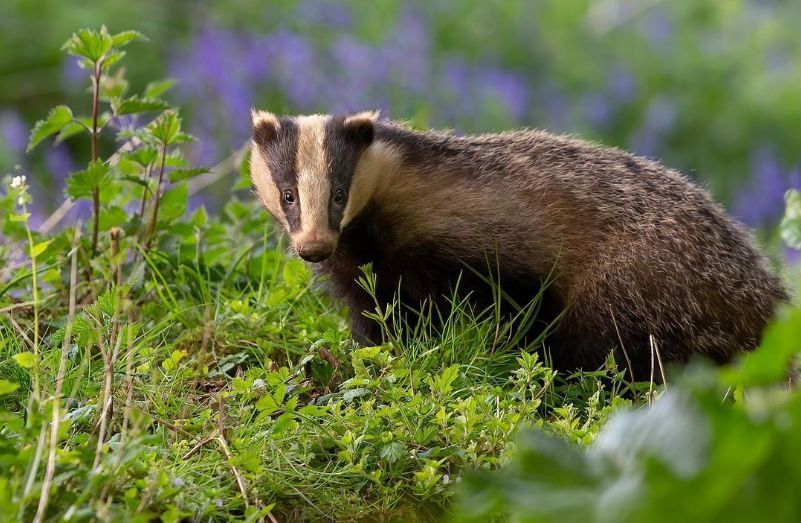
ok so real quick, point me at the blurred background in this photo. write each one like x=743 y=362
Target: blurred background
x=710 y=88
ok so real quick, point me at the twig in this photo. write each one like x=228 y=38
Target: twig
x=659 y=360
x=200 y=444
x=51 y=457
x=96 y=189
x=240 y=481
x=622 y=347
x=157 y=198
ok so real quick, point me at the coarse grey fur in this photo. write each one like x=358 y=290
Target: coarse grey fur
x=636 y=249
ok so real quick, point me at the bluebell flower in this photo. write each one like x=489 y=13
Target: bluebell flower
x=13 y=131
x=760 y=202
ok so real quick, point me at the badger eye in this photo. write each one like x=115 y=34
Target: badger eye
x=289 y=197
x=339 y=196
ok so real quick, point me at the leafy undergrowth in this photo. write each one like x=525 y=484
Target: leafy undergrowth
x=157 y=363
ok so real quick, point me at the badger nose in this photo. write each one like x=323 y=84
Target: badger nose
x=315 y=251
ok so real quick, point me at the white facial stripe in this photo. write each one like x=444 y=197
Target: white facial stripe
x=265 y=186
x=312 y=168
x=373 y=174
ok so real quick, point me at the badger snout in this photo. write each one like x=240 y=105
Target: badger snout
x=315 y=251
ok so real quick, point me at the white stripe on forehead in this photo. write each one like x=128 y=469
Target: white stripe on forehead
x=312 y=168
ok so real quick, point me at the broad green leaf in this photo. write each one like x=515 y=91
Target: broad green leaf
x=135 y=105
x=89 y=44
x=40 y=247
x=392 y=451
x=174 y=202
x=267 y=404
x=185 y=174
x=769 y=363
x=155 y=89
x=82 y=183
x=59 y=117
x=126 y=37
x=7 y=387
x=25 y=359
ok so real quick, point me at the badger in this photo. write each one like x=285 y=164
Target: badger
x=624 y=253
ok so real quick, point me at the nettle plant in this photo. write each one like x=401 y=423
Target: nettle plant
x=133 y=186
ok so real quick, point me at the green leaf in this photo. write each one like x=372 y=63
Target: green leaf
x=185 y=174
x=392 y=451
x=770 y=362
x=135 y=105
x=7 y=387
x=790 y=226
x=82 y=183
x=173 y=203
x=26 y=360
x=60 y=116
x=40 y=247
x=166 y=128
x=126 y=37
x=155 y=89
x=89 y=44
x=267 y=404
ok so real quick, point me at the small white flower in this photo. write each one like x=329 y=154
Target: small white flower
x=21 y=201
x=218 y=502
x=178 y=482
x=446 y=479
x=17 y=182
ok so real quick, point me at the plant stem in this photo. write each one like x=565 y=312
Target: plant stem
x=157 y=198
x=34 y=278
x=96 y=190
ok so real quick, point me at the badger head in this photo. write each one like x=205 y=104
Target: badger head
x=303 y=170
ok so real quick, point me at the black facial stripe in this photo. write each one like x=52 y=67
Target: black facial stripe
x=281 y=154
x=342 y=155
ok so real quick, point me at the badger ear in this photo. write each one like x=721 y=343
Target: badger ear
x=361 y=126
x=265 y=126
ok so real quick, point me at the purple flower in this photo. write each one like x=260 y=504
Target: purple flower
x=596 y=109
x=13 y=131
x=657 y=27
x=621 y=84
x=59 y=162
x=509 y=89
x=73 y=77
x=760 y=202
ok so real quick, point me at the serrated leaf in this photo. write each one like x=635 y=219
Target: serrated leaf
x=82 y=183
x=112 y=57
x=134 y=179
x=58 y=118
x=166 y=128
x=7 y=387
x=392 y=451
x=126 y=37
x=40 y=247
x=267 y=404
x=352 y=394
x=69 y=130
x=134 y=105
x=26 y=360
x=174 y=202
x=89 y=44
x=185 y=174
x=155 y=89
